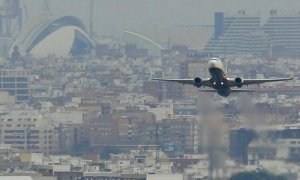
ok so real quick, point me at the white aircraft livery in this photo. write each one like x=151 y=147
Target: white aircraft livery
x=219 y=81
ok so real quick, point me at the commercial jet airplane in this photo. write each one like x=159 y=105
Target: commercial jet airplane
x=219 y=81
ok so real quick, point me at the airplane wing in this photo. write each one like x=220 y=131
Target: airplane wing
x=231 y=82
x=259 y=81
x=182 y=81
x=205 y=81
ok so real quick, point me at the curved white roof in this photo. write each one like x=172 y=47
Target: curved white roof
x=50 y=35
x=142 y=41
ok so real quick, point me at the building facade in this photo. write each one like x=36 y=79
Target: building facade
x=17 y=83
x=28 y=131
x=132 y=127
x=283 y=32
x=244 y=34
x=230 y=32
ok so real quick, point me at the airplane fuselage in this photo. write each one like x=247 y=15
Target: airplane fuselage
x=218 y=77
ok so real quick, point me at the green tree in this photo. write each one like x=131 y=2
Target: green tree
x=81 y=148
x=107 y=150
x=256 y=175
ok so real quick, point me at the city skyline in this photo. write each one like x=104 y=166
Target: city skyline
x=113 y=17
x=80 y=105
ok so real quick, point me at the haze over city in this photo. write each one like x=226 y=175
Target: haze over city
x=149 y=89
x=115 y=16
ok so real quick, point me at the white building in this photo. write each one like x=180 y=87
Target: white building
x=29 y=131
x=50 y=35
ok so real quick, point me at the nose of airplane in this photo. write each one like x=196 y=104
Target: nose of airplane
x=212 y=63
x=215 y=63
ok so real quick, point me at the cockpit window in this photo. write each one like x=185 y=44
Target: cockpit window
x=215 y=59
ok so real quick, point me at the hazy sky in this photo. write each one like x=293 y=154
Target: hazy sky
x=114 y=15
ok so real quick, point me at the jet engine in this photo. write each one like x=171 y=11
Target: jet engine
x=198 y=82
x=238 y=82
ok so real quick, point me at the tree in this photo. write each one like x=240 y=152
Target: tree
x=107 y=150
x=256 y=175
x=82 y=147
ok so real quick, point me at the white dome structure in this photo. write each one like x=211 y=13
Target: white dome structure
x=62 y=36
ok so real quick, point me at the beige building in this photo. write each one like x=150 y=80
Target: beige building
x=131 y=127
x=6 y=98
x=29 y=131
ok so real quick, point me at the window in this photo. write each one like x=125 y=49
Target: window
x=22 y=85
x=22 y=91
x=8 y=85
x=22 y=79
x=8 y=79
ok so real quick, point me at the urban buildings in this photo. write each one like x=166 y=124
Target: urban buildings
x=29 y=131
x=101 y=116
x=243 y=34
x=230 y=33
x=17 y=83
x=282 y=32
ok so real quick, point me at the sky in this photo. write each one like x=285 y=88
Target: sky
x=112 y=16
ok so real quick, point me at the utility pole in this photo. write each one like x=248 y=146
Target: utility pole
x=27 y=138
x=157 y=146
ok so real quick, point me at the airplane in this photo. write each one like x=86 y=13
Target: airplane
x=219 y=82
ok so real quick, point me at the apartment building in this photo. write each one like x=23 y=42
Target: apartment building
x=29 y=131
x=283 y=32
x=17 y=83
x=132 y=127
x=242 y=34
x=230 y=32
